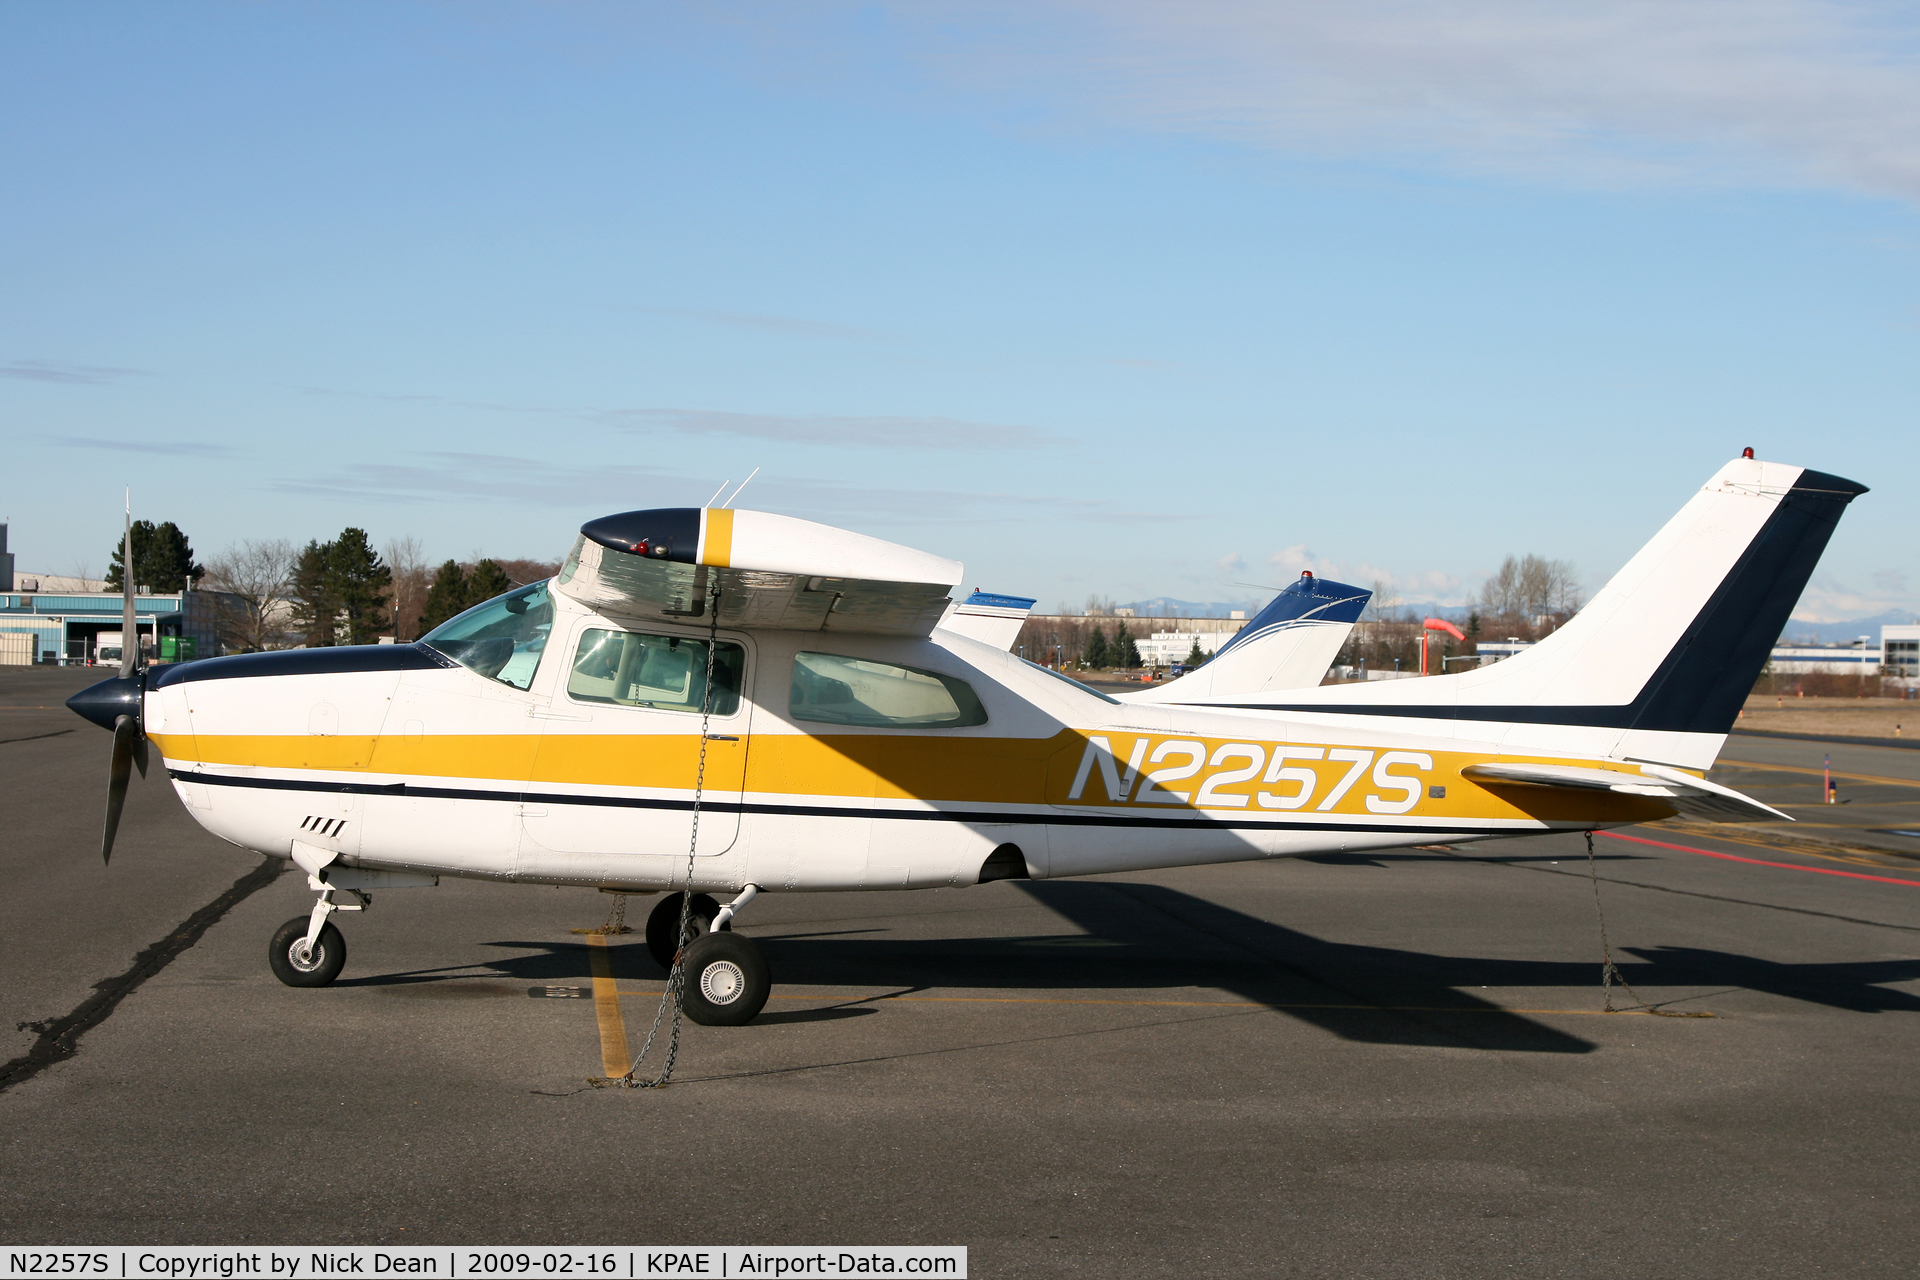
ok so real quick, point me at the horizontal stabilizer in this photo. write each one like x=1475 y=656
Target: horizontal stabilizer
x=1695 y=797
x=989 y=618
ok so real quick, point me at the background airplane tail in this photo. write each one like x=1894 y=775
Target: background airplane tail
x=1287 y=645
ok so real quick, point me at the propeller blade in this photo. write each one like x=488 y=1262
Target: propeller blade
x=129 y=637
x=126 y=734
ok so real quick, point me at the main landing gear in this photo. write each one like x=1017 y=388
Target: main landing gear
x=724 y=977
x=308 y=951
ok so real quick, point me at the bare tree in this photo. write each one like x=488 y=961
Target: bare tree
x=1385 y=604
x=257 y=579
x=407 y=558
x=1532 y=592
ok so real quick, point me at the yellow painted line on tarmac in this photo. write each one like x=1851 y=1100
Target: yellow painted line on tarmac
x=1199 y=1004
x=1796 y=768
x=614 y=1058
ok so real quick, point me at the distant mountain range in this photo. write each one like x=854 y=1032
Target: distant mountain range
x=1796 y=632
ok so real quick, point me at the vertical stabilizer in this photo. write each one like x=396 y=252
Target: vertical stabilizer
x=1288 y=645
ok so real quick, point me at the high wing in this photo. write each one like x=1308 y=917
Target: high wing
x=1288 y=645
x=771 y=572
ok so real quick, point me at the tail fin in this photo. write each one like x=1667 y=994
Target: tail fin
x=1288 y=645
x=1672 y=645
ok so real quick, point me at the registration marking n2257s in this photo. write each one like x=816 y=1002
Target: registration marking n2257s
x=1287 y=778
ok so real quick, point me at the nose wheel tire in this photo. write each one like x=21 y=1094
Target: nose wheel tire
x=295 y=965
x=726 y=980
x=665 y=918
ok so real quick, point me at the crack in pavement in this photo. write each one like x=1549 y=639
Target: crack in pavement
x=59 y=1038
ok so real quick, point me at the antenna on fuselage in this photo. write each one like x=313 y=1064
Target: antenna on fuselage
x=716 y=492
x=743 y=484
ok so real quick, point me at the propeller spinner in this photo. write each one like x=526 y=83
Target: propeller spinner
x=115 y=704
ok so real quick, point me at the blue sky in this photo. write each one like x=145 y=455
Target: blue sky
x=1126 y=299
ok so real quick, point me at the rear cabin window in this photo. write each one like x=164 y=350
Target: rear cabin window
x=666 y=673
x=830 y=689
x=501 y=639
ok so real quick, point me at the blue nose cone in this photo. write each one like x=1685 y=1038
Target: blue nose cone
x=107 y=701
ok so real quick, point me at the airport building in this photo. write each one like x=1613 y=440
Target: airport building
x=1166 y=648
x=66 y=629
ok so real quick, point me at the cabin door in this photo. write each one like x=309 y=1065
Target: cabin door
x=619 y=758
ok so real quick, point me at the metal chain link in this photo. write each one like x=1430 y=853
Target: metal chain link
x=676 y=976
x=1608 y=973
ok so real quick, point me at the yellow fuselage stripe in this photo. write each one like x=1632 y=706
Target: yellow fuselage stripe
x=861 y=767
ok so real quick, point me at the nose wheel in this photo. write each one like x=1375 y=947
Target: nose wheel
x=300 y=963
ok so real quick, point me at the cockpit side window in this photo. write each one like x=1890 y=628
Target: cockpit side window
x=665 y=673
x=831 y=689
x=501 y=639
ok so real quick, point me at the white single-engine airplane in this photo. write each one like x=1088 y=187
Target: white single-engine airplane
x=813 y=704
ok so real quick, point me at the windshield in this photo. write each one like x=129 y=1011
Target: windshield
x=501 y=639
x=1084 y=688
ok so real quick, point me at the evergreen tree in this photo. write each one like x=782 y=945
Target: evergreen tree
x=316 y=613
x=360 y=581
x=446 y=596
x=1125 y=652
x=485 y=582
x=1194 y=656
x=162 y=559
x=1095 y=655
x=340 y=591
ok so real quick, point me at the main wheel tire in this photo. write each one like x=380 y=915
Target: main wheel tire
x=665 y=920
x=725 y=980
x=295 y=966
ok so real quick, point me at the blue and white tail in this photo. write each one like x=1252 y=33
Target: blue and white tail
x=1288 y=645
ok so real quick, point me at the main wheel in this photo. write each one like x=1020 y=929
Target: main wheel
x=294 y=965
x=665 y=919
x=726 y=980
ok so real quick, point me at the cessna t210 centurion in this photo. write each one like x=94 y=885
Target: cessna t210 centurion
x=723 y=701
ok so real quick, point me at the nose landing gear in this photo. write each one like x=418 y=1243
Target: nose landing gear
x=310 y=952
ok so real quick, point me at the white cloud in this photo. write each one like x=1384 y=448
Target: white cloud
x=1422 y=586
x=1828 y=599
x=1773 y=92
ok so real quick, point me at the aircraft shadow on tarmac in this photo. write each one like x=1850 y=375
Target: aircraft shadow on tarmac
x=1144 y=938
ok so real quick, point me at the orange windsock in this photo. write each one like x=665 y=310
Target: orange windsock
x=1441 y=624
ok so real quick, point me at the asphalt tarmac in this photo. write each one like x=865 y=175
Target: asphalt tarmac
x=1354 y=1065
